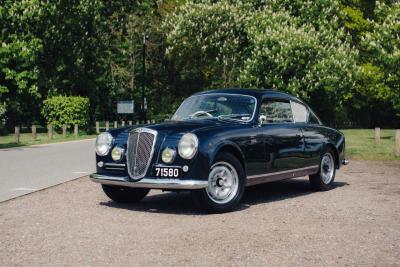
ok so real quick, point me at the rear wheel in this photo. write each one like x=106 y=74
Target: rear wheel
x=124 y=194
x=225 y=188
x=323 y=180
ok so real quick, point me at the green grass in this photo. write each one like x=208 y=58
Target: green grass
x=42 y=138
x=360 y=144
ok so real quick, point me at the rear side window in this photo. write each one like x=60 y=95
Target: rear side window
x=313 y=118
x=300 y=112
x=276 y=112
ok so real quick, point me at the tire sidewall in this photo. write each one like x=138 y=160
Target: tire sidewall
x=318 y=181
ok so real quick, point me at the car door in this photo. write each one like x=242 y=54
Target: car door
x=283 y=139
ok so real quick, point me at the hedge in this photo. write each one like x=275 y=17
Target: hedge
x=69 y=110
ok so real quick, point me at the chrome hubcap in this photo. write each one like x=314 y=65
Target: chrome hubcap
x=327 y=168
x=223 y=183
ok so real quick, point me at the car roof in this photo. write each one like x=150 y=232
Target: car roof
x=257 y=93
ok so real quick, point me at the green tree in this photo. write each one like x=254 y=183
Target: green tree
x=282 y=45
x=381 y=74
x=19 y=50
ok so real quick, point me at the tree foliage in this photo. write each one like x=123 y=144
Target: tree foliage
x=342 y=53
x=277 y=44
x=20 y=48
x=382 y=45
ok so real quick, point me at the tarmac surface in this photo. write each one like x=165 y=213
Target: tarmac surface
x=25 y=170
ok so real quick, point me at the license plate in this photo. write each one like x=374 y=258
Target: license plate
x=167 y=172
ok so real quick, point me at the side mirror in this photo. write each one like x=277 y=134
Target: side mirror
x=262 y=119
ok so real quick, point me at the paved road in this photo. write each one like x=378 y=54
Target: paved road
x=27 y=169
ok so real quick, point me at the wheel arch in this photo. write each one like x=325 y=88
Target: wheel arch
x=233 y=149
x=335 y=153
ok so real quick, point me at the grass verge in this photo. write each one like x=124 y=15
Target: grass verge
x=360 y=144
x=42 y=138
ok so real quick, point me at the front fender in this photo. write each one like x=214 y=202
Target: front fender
x=228 y=145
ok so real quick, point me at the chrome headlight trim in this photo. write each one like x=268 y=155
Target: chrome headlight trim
x=104 y=142
x=188 y=145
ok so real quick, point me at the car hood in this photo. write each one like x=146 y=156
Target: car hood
x=173 y=127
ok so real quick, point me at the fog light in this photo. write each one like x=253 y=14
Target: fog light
x=100 y=164
x=117 y=153
x=168 y=155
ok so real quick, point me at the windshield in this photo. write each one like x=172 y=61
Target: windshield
x=222 y=106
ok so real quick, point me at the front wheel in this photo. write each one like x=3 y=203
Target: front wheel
x=122 y=194
x=226 y=182
x=323 y=180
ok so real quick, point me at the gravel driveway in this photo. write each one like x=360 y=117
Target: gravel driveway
x=284 y=223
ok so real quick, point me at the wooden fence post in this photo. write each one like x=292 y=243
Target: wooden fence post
x=130 y=123
x=148 y=121
x=377 y=136
x=76 y=129
x=17 y=134
x=153 y=121
x=123 y=123
x=50 y=131
x=34 y=135
x=115 y=124
x=107 y=125
x=397 y=143
x=64 y=130
x=137 y=123
x=97 y=127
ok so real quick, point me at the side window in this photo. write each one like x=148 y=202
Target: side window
x=276 y=112
x=313 y=118
x=300 y=112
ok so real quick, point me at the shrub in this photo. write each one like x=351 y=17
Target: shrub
x=59 y=110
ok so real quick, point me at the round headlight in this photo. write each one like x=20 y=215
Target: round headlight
x=168 y=155
x=117 y=153
x=103 y=144
x=187 y=146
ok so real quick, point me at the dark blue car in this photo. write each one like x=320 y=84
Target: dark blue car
x=217 y=143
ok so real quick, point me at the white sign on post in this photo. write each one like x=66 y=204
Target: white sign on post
x=126 y=107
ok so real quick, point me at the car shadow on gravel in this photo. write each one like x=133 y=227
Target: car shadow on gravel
x=180 y=203
x=278 y=191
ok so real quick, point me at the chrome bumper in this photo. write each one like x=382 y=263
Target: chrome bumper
x=345 y=162
x=148 y=183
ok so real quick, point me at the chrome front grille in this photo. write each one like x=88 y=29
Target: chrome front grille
x=140 y=149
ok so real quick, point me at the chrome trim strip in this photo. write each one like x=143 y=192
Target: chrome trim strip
x=121 y=165
x=282 y=172
x=148 y=182
x=282 y=175
x=139 y=130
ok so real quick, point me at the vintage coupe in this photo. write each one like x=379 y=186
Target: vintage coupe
x=217 y=143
